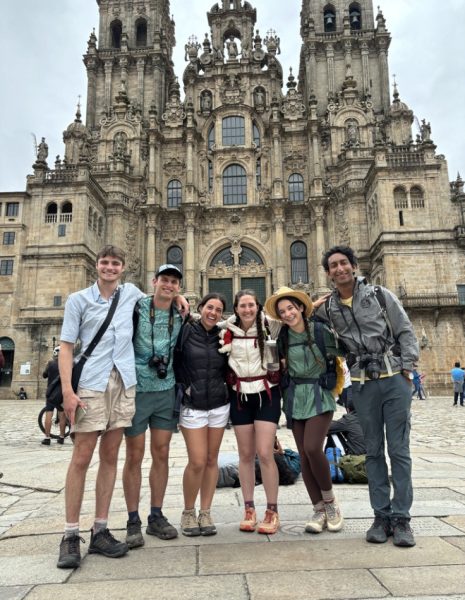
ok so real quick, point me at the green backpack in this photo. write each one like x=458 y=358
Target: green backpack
x=354 y=468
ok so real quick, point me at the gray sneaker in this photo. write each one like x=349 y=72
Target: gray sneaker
x=207 y=527
x=70 y=552
x=160 y=527
x=402 y=532
x=379 y=531
x=134 y=538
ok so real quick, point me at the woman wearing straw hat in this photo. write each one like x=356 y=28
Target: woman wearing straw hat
x=312 y=405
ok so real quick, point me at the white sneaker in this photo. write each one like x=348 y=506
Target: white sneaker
x=317 y=522
x=334 y=519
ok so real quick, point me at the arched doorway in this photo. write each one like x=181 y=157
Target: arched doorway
x=235 y=268
x=6 y=372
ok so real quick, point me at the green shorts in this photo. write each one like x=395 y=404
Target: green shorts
x=154 y=410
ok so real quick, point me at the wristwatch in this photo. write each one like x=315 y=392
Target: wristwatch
x=407 y=374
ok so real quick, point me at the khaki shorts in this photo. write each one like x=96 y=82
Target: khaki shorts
x=111 y=409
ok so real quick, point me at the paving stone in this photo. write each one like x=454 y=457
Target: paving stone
x=441 y=580
x=305 y=585
x=168 y=561
x=313 y=555
x=14 y=592
x=457 y=521
x=31 y=570
x=232 y=587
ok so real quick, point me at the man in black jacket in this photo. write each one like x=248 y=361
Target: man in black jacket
x=51 y=373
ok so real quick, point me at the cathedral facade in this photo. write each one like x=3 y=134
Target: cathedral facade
x=242 y=181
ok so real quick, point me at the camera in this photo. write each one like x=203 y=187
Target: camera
x=160 y=363
x=371 y=364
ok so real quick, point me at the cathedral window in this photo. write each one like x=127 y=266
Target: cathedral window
x=299 y=266
x=61 y=230
x=174 y=257
x=116 y=29
x=355 y=16
x=6 y=267
x=248 y=256
x=329 y=18
x=174 y=193
x=9 y=238
x=211 y=137
x=224 y=257
x=296 y=187
x=417 y=199
x=234 y=185
x=401 y=218
x=66 y=213
x=51 y=213
x=400 y=198
x=89 y=218
x=141 y=33
x=256 y=135
x=233 y=131
x=12 y=209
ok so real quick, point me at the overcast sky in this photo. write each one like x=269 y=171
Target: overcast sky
x=42 y=72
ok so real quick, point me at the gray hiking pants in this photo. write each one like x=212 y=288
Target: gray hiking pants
x=381 y=404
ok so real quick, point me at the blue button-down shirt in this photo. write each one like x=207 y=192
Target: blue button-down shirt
x=85 y=311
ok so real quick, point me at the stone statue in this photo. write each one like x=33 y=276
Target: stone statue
x=425 y=130
x=120 y=144
x=259 y=97
x=42 y=151
x=232 y=48
x=206 y=102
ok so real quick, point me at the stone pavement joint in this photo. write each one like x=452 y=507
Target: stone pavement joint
x=233 y=565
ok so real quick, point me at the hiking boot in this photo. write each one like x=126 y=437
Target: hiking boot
x=61 y=440
x=270 y=523
x=134 y=538
x=45 y=442
x=159 y=526
x=334 y=518
x=104 y=543
x=70 y=552
x=317 y=522
x=189 y=523
x=379 y=531
x=207 y=527
x=249 y=521
x=402 y=532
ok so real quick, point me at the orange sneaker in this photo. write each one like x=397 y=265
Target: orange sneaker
x=250 y=520
x=270 y=523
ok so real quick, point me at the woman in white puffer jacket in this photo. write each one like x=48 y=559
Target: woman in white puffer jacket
x=255 y=404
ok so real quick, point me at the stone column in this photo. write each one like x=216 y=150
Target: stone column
x=280 y=250
x=365 y=67
x=108 y=71
x=319 y=210
x=140 y=82
x=330 y=67
x=189 y=255
x=91 y=92
x=150 y=260
x=384 y=74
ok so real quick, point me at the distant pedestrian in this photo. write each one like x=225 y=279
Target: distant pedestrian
x=458 y=375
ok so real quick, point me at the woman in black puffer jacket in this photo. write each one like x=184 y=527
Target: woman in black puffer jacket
x=200 y=372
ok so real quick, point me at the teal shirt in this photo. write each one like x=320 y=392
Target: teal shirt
x=305 y=362
x=147 y=379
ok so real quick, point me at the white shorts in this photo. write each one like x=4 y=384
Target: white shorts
x=191 y=418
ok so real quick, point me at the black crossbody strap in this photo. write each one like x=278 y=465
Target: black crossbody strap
x=103 y=327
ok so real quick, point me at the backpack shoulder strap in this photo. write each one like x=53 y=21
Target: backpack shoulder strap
x=381 y=299
x=283 y=340
x=320 y=337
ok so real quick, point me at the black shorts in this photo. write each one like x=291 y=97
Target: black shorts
x=256 y=407
x=51 y=407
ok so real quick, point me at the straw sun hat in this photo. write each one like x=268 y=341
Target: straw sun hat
x=286 y=292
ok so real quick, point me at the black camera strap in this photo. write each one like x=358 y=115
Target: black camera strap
x=170 y=328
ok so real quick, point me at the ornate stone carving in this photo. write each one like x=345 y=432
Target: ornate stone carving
x=232 y=92
x=174 y=166
x=295 y=161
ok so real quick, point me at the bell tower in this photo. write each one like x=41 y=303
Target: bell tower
x=341 y=43
x=132 y=55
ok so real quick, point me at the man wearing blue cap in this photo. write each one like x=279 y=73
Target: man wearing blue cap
x=156 y=327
